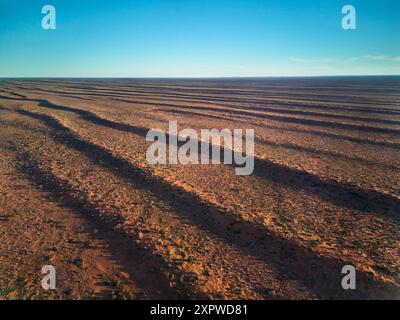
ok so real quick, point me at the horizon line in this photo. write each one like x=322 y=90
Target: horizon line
x=199 y=77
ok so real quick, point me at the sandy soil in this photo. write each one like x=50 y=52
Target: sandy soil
x=77 y=192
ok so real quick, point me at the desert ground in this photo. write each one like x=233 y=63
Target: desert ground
x=76 y=191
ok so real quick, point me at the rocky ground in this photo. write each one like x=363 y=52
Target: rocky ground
x=77 y=192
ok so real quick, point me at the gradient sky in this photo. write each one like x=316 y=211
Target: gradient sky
x=198 y=38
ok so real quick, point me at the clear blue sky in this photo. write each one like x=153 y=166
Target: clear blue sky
x=198 y=38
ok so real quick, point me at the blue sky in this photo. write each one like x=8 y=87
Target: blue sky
x=198 y=38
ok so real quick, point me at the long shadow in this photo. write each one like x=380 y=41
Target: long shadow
x=260 y=104
x=289 y=146
x=75 y=97
x=273 y=106
x=190 y=93
x=322 y=275
x=10 y=98
x=309 y=122
x=392 y=145
x=367 y=110
x=342 y=194
x=328 y=154
x=259 y=95
x=87 y=115
x=325 y=115
x=18 y=96
x=138 y=260
x=296 y=110
x=46 y=103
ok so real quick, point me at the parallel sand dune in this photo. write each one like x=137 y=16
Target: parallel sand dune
x=77 y=192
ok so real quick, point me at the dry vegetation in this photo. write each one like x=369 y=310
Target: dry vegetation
x=76 y=190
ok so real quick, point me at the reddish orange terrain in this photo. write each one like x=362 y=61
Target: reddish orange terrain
x=77 y=193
